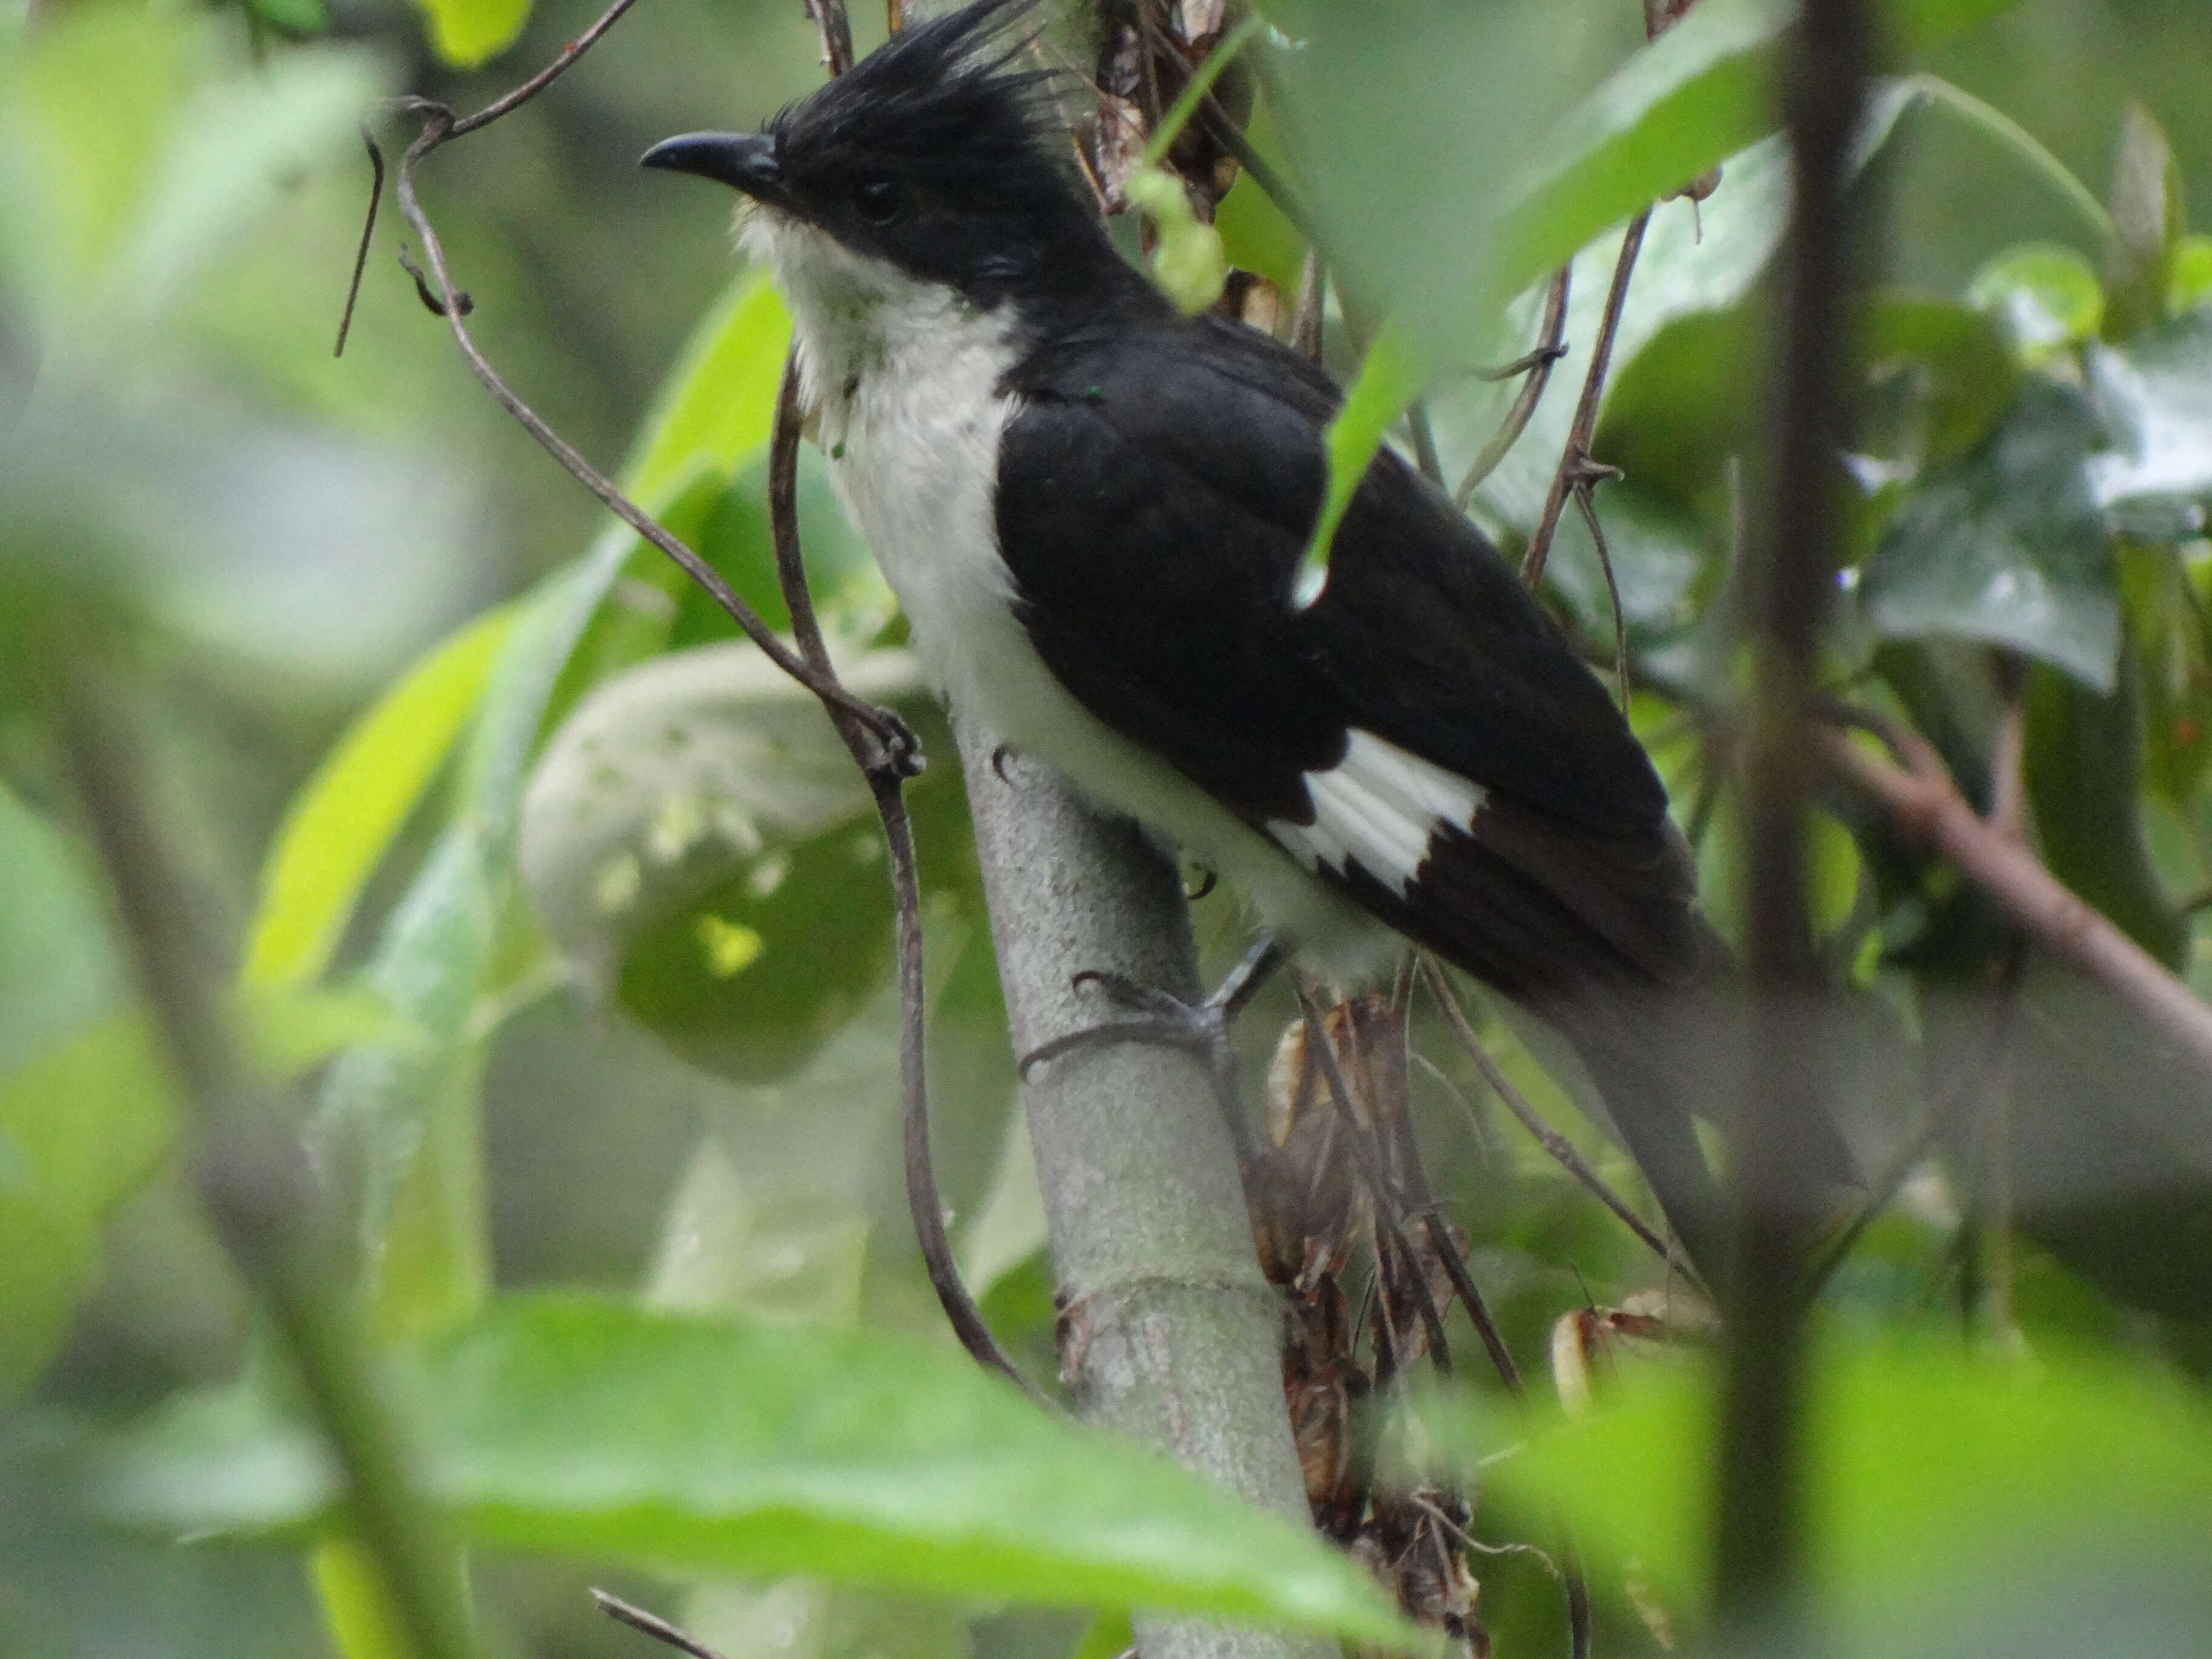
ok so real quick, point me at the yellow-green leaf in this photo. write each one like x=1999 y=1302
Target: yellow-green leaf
x=465 y=32
x=347 y=814
x=720 y=399
x=1387 y=382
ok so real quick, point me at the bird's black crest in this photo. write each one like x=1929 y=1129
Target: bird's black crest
x=961 y=87
x=945 y=152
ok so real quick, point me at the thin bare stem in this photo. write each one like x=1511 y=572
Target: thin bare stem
x=562 y=61
x=1577 y=453
x=1306 y=314
x=1425 y=442
x=837 y=32
x=1551 y=337
x=1588 y=507
x=896 y=745
x=1561 y=1149
x=367 y=233
x=1389 y=1220
x=628 y=1613
x=923 y=1201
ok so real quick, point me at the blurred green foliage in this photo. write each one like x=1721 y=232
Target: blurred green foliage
x=570 y=921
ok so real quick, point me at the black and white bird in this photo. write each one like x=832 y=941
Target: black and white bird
x=1092 y=509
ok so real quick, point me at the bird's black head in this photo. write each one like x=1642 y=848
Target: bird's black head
x=940 y=154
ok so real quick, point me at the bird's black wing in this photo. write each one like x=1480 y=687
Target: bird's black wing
x=1155 y=495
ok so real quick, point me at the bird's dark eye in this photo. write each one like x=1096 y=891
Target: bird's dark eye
x=877 y=198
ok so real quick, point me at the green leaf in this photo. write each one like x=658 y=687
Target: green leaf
x=2006 y=545
x=2192 y=275
x=2083 y=769
x=720 y=399
x=294 y=17
x=399 y=1118
x=1930 y=1473
x=465 y=32
x=1389 y=380
x=595 y=1428
x=55 y=961
x=81 y=1125
x=693 y=833
x=1700 y=92
x=2140 y=259
x=341 y=823
x=2046 y=294
x=2154 y=394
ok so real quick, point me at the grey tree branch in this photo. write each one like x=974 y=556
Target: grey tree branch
x=1169 y=1333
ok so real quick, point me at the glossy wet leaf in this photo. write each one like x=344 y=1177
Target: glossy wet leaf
x=595 y=1428
x=2006 y=545
x=2154 y=394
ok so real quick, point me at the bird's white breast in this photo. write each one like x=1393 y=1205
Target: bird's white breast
x=906 y=380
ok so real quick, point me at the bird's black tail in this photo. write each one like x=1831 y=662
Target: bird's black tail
x=1662 y=1059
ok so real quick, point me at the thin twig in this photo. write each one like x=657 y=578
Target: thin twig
x=545 y=77
x=896 y=747
x=1551 y=336
x=1561 y=1149
x=922 y=1200
x=1425 y=442
x=1305 y=335
x=1590 y=472
x=1571 y=459
x=836 y=31
x=368 y=232
x=628 y=1613
x=1389 y=1220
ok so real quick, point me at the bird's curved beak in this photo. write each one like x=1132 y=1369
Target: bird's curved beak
x=744 y=160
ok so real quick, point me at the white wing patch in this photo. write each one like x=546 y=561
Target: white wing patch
x=1378 y=808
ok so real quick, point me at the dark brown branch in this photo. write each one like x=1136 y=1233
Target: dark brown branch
x=1561 y=1149
x=1570 y=475
x=1551 y=337
x=628 y=1613
x=368 y=234
x=1760 y=1528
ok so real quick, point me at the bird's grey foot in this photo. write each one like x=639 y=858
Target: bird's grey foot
x=1148 y=1015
